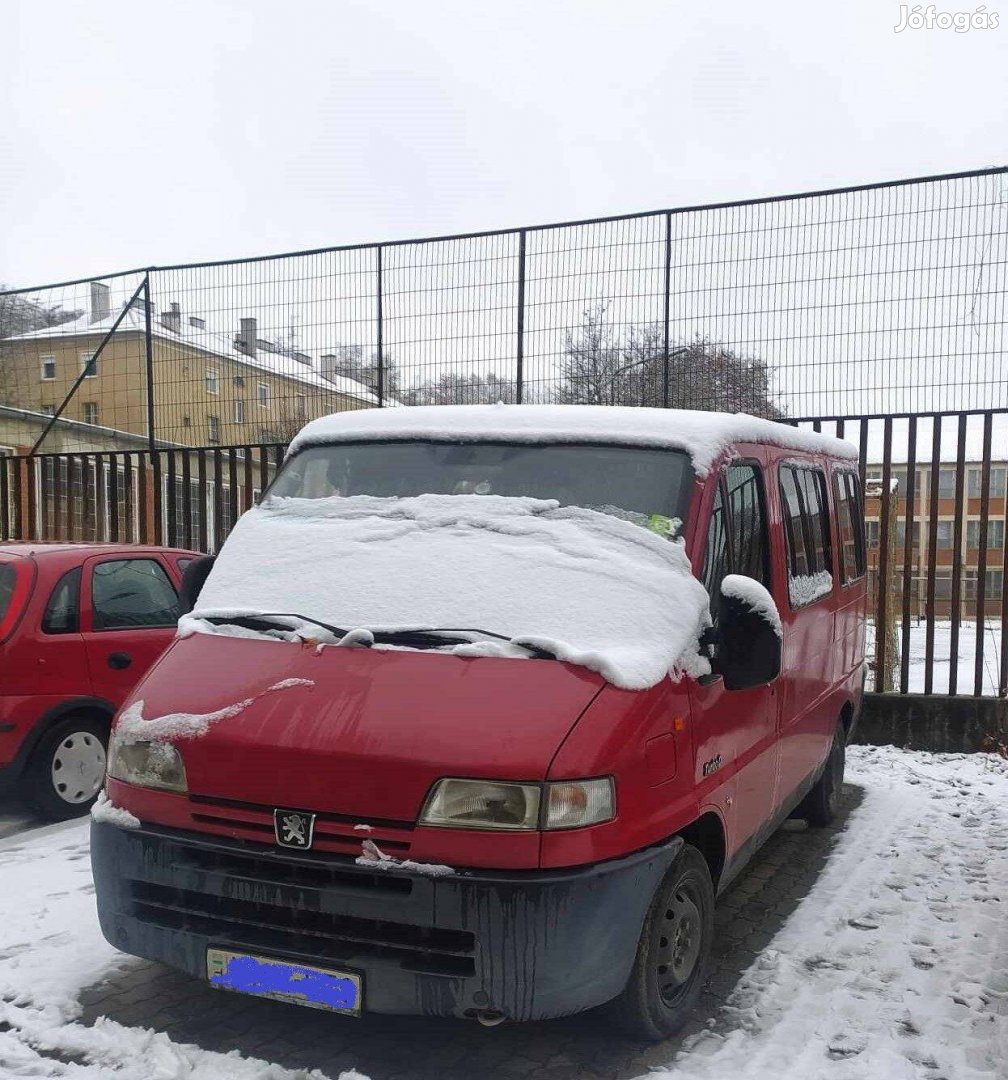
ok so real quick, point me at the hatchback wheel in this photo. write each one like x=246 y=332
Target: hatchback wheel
x=67 y=769
x=673 y=954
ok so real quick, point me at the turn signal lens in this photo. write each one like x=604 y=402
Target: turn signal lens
x=146 y=764
x=574 y=803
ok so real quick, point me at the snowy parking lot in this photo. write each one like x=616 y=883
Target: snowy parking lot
x=877 y=949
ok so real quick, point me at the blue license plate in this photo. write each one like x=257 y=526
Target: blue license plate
x=261 y=976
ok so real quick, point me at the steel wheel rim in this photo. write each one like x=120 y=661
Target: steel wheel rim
x=679 y=944
x=78 y=767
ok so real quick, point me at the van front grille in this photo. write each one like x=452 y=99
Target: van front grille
x=300 y=929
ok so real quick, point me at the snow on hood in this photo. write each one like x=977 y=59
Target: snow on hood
x=703 y=435
x=594 y=590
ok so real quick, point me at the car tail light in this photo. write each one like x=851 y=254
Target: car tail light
x=15 y=588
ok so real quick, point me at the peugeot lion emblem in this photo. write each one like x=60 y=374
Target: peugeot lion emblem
x=293 y=829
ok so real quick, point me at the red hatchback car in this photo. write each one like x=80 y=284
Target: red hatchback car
x=79 y=625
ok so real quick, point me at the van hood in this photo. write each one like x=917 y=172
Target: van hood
x=351 y=731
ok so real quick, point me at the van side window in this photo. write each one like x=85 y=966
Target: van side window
x=806 y=526
x=850 y=525
x=747 y=522
x=716 y=552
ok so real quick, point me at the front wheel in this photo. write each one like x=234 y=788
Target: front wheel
x=822 y=804
x=67 y=769
x=673 y=954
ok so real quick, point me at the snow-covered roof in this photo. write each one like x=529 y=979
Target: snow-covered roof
x=210 y=343
x=704 y=435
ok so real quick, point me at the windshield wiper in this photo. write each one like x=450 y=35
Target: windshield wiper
x=254 y=622
x=433 y=638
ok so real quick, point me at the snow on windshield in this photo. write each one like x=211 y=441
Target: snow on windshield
x=594 y=590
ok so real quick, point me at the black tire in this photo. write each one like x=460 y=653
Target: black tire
x=822 y=804
x=670 y=968
x=84 y=740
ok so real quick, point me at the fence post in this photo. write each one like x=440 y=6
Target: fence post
x=665 y=318
x=520 y=329
x=381 y=331
x=151 y=441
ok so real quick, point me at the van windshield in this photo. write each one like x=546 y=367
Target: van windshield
x=638 y=484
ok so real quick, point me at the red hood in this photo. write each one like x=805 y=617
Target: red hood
x=375 y=730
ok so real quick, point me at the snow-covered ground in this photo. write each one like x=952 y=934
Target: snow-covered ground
x=895 y=965
x=965 y=656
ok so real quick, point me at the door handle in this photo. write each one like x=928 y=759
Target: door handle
x=119 y=660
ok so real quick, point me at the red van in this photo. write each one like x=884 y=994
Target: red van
x=79 y=625
x=481 y=707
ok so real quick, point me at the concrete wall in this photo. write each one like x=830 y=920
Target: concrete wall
x=933 y=722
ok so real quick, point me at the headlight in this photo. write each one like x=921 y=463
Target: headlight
x=492 y=804
x=146 y=764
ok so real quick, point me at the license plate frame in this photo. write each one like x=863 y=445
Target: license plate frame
x=272 y=977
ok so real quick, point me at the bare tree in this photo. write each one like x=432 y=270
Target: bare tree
x=20 y=315
x=454 y=388
x=350 y=362
x=601 y=368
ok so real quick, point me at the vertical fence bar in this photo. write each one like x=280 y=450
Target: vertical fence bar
x=882 y=614
x=31 y=500
x=929 y=633
x=233 y=489
x=204 y=531
x=187 y=530
x=113 y=498
x=981 y=573
x=171 y=500
x=520 y=323
x=666 y=389
x=97 y=462
x=5 y=529
x=909 y=520
x=142 y=473
x=130 y=504
x=44 y=510
x=247 y=481
x=151 y=437
x=380 y=351
x=957 y=560
x=218 y=501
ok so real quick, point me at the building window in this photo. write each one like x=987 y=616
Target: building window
x=943 y=582
x=901 y=534
x=264 y=395
x=872 y=532
x=90 y=412
x=48 y=368
x=301 y=409
x=995 y=534
x=49 y=410
x=997 y=482
x=239 y=380
x=212 y=382
x=213 y=428
x=946 y=483
x=239 y=411
x=89 y=365
x=944 y=541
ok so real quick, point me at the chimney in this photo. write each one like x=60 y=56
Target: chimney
x=100 y=307
x=196 y=321
x=303 y=358
x=328 y=366
x=172 y=318
x=245 y=341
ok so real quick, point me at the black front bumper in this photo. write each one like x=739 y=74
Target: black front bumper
x=529 y=945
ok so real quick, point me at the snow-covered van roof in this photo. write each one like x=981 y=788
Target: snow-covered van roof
x=703 y=435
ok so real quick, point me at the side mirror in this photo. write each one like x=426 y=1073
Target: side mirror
x=749 y=634
x=193 y=578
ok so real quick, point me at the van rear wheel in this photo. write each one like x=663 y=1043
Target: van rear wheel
x=673 y=953
x=822 y=804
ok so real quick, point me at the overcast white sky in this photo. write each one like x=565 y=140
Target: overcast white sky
x=134 y=134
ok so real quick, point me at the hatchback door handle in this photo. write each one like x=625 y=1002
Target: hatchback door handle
x=119 y=660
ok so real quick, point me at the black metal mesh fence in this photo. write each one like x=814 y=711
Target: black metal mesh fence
x=881 y=299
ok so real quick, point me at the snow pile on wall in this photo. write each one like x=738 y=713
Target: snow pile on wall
x=594 y=590
x=703 y=435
